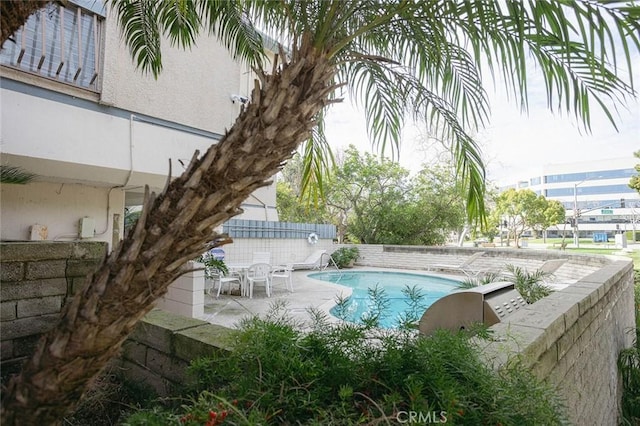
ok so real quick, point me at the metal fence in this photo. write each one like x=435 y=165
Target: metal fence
x=242 y=228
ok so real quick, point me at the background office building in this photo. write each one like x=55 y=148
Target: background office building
x=597 y=193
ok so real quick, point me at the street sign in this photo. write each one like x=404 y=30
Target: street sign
x=606 y=211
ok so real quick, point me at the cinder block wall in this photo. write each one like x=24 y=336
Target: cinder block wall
x=185 y=296
x=572 y=339
x=35 y=280
x=163 y=344
x=283 y=250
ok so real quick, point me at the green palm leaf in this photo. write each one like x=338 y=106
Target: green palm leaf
x=228 y=21
x=139 y=20
x=317 y=160
x=143 y=22
x=426 y=58
x=15 y=175
x=181 y=21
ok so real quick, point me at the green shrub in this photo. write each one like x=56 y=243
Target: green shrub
x=213 y=266
x=529 y=284
x=342 y=374
x=344 y=256
x=471 y=282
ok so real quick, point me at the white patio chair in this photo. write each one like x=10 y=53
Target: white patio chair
x=258 y=273
x=283 y=273
x=464 y=266
x=313 y=261
x=549 y=268
x=221 y=280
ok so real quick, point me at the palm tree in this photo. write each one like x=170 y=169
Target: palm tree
x=13 y=14
x=399 y=59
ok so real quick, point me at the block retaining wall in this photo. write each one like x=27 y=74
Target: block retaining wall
x=36 y=278
x=571 y=338
x=161 y=347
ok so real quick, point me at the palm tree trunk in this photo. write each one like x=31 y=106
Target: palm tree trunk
x=174 y=228
x=13 y=15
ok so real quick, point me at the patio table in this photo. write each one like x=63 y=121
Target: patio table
x=240 y=268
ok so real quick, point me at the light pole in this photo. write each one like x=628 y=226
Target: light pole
x=502 y=225
x=633 y=220
x=576 y=237
x=576 y=213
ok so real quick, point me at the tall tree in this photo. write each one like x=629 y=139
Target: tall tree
x=292 y=209
x=554 y=213
x=440 y=202
x=363 y=194
x=524 y=210
x=514 y=208
x=399 y=58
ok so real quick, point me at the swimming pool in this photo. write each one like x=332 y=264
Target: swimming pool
x=359 y=303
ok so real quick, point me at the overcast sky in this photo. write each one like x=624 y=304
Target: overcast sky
x=514 y=145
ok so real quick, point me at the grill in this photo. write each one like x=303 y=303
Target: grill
x=488 y=304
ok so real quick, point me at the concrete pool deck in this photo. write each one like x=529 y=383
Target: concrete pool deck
x=228 y=310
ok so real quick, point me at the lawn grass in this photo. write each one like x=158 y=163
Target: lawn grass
x=634 y=255
x=594 y=248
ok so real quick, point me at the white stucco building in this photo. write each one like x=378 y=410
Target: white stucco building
x=76 y=112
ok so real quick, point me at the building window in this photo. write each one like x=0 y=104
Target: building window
x=593 y=205
x=597 y=175
x=590 y=190
x=60 y=43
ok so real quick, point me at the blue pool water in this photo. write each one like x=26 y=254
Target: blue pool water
x=359 y=304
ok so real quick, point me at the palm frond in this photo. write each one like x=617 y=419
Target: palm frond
x=427 y=57
x=437 y=59
x=15 y=175
x=139 y=23
x=317 y=161
x=180 y=21
x=572 y=44
x=372 y=85
x=574 y=85
x=228 y=21
x=466 y=153
x=143 y=22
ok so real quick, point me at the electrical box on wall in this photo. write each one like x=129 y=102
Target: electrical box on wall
x=39 y=232
x=86 y=227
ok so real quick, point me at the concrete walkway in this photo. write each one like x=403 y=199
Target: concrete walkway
x=307 y=293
